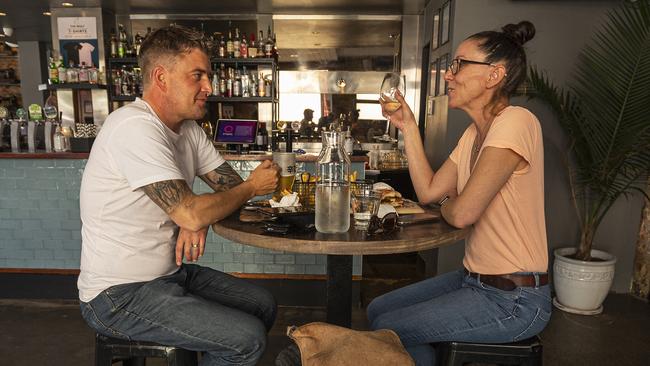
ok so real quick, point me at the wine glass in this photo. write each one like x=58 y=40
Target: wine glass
x=393 y=82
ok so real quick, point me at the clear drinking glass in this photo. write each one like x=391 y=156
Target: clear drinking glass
x=392 y=83
x=365 y=205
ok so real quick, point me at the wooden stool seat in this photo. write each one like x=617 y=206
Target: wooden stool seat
x=134 y=353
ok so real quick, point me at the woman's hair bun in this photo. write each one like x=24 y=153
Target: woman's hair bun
x=521 y=32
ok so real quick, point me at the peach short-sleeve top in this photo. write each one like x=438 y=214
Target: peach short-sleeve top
x=510 y=236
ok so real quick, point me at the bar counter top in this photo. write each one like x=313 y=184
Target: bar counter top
x=84 y=155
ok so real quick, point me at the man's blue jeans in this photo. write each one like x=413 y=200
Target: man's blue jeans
x=196 y=308
x=457 y=307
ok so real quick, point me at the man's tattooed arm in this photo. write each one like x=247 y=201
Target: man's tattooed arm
x=169 y=194
x=223 y=178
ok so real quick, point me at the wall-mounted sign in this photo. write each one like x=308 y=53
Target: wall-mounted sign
x=77 y=28
x=78 y=41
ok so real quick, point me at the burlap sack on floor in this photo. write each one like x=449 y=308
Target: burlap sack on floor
x=323 y=344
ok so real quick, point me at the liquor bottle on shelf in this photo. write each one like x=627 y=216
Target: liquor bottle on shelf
x=222 y=48
x=260 y=45
x=137 y=44
x=222 y=80
x=93 y=74
x=113 y=43
x=215 y=84
x=268 y=46
x=229 y=85
x=73 y=73
x=252 y=85
x=122 y=42
x=274 y=49
x=116 y=75
x=261 y=90
x=229 y=44
x=83 y=73
x=243 y=46
x=236 y=84
x=236 y=44
x=53 y=72
x=62 y=71
x=252 y=47
x=245 y=83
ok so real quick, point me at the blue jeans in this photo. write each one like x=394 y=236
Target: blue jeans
x=457 y=307
x=196 y=308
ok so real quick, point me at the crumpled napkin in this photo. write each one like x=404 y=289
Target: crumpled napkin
x=384 y=209
x=286 y=201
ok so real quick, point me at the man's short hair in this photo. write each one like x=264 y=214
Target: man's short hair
x=167 y=43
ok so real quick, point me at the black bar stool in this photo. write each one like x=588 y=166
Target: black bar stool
x=133 y=353
x=527 y=352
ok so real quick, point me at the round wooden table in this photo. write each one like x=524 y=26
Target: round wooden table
x=339 y=249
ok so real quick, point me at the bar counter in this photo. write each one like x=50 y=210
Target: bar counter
x=40 y=224
x=228 y=157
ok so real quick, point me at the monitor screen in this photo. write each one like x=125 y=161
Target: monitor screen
x=236 y=131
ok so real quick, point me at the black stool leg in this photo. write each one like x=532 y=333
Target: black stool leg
x=103 y=355
x=135 y=361
x=181 y=357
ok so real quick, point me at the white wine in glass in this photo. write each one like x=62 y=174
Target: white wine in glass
x=393 y=82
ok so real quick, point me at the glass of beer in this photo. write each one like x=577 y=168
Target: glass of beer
x=287 y=163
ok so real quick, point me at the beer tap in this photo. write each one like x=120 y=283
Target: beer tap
x=18 y=129
x=34 y=121
x=3 y=122
x=51 y=113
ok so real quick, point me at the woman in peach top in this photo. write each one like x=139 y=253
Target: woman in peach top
x=493 y=182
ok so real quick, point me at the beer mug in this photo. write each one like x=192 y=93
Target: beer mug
x=287 y=163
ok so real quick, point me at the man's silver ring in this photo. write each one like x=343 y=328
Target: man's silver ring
x=195 y=245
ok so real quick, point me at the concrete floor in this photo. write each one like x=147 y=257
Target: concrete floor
x=52 y=333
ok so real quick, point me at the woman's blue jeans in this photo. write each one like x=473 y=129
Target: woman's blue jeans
x=457 y=307
x=196 y=308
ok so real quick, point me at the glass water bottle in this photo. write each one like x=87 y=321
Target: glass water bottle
x=333 y=187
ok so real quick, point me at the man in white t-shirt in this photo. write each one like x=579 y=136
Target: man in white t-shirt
x=140 y=217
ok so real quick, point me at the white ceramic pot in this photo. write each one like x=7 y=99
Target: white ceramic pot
x=580 y=286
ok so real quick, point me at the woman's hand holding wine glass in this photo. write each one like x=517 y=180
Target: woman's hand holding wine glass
x=391 y=98
x=402 y=116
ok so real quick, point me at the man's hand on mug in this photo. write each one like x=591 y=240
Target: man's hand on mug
x=264 y=178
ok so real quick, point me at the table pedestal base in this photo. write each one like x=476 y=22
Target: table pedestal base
x=339 y=290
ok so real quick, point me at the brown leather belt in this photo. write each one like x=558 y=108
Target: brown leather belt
x=509 y=282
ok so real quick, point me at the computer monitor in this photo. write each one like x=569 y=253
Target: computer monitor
x=235 y=131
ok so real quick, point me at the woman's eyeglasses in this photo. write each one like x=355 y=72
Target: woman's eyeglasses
x=385 y=225
x=456 y=63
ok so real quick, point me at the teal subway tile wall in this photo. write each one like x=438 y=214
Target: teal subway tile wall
x=40 y=226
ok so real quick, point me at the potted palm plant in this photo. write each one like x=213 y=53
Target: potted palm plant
x=605 y=113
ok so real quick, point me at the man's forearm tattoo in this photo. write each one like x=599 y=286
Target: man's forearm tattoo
x=167 y=194
x=223 y=178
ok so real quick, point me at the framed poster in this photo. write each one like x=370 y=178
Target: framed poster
x=435 y=34
x=433 y=78
x=445 y=23
x=78 y=40
x=442 y=83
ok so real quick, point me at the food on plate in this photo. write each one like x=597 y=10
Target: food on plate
x=392 y=197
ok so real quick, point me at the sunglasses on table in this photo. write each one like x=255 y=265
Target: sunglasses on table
x=385 y=225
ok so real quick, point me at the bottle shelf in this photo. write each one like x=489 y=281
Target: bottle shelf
x=123 y=98
x=240 y=99
x=123 y=60
x=75 y=86
x=244 y=61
